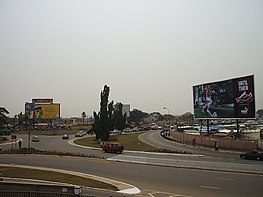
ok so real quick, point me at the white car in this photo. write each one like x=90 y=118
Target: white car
x=35 y=139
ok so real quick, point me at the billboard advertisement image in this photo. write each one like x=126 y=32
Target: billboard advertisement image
x=50 y=111
x=42 y=111
x=233 y=98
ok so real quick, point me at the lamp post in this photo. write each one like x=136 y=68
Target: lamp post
x=168 y=118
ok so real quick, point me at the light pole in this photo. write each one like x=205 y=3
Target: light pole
x=168 y=112
x=168 y=118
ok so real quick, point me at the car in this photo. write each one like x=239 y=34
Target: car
x=65 y=137
x=79 y=134
x=116 y=132
x=35 y=139
x=253 y=154
x=112 y=147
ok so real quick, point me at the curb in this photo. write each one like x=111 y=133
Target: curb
x=122 y=187
x=71 y=142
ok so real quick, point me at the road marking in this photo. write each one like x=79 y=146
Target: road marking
x=225 y=179
x=209 y=187
x=153 y=193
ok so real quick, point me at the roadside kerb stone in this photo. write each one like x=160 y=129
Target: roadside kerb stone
x=227 y=167
x=122 y=187
x=71 y=142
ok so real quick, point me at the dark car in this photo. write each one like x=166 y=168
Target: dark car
x=253 y=154
x=113 y=147
x=65 y=137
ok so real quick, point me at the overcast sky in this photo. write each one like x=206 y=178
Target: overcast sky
x=149 y=52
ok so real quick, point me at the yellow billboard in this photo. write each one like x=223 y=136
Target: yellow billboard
x=50 y=111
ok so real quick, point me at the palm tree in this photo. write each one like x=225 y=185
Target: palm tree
x=3 y=116
x=83 y=115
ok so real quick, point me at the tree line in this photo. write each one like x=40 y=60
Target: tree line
x=110 y=117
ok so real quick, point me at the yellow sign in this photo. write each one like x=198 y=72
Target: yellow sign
x=50 y=111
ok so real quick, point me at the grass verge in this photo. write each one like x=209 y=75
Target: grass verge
x=130 y=142
x=40 y=152
x=16 y=172
x=47 y=132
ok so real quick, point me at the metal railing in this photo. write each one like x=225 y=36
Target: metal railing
x=209 y=142
x=37 y=194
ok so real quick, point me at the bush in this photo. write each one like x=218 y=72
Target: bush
x=113 y=138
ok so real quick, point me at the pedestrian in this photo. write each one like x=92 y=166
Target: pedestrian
x=216 y=146
x=19 y=143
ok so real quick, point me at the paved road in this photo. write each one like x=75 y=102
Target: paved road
x=152 y=180
x=201 y=159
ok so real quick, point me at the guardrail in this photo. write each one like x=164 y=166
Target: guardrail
x=32 y=189
x=37 y=194
x=212 y=141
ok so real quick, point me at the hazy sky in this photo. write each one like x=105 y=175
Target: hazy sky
x=149 y=52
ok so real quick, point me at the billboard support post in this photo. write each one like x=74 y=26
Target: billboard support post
x=201 y=125
x=238 y=129
x=28 y=139
x=207 y=126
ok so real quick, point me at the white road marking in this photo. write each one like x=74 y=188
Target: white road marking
x=225 y=179
x=152 y=193
x=209 y=187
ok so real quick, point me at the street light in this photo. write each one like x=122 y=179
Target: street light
x=167 y=109
x=168 y=118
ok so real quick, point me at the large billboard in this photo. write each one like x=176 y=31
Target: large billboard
x=42 y=111
x=40 y=100
x=233 y=98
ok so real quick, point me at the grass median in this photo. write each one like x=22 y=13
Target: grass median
x=46 y=132
x=16 y=172
x=130 y=141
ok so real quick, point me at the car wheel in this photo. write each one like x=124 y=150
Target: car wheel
x=258 y=158
x=242 y=157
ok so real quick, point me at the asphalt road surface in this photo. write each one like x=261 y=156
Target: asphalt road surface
x=153 y=180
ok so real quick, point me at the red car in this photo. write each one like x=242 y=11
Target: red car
x=113 y=147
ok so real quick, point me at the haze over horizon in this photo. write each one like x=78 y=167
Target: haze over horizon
x=149 y=52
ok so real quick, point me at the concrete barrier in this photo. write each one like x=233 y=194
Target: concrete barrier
x=39 y=187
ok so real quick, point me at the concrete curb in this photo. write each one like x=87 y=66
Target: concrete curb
x=186 y=164
x=12 y=142
x=71 y=142
x=122 y=187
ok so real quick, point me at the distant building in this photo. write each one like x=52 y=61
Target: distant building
x=126 y=108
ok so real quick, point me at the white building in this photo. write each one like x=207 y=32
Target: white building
x=126 y=108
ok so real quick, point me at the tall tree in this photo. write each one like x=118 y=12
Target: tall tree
x=83 y=115
x=108 y=118
x=111 y=116
x=260 y=113
x=21 y=118
x=3 y=117
x=119 y=119
x=137 y=115
x=101 y=123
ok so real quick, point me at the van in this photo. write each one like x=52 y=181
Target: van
x=112 y=147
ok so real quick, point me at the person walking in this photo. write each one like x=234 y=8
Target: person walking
x=19 y=143
x=216 y=146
